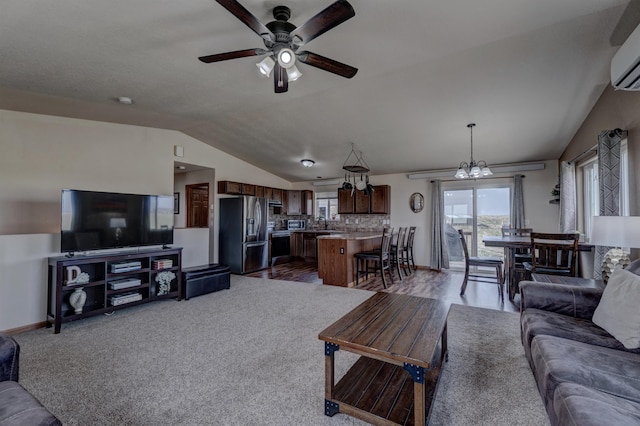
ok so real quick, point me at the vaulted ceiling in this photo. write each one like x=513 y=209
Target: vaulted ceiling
x=527 y=72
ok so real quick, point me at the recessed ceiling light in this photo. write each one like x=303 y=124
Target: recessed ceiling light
x=307 y=163
x=181 y=167
x=125 y=100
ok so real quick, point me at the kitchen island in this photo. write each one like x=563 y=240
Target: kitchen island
x=336 y=262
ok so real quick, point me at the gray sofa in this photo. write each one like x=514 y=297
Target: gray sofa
x=17 y=406
x=585 y=376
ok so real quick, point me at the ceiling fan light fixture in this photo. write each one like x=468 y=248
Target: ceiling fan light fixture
x=293 y=73
x=266 y=66
x=286 y=58
x=307 y=163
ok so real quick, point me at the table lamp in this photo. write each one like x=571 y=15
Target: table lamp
x=616 y=232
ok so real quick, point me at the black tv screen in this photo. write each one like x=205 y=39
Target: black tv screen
x=103 y=220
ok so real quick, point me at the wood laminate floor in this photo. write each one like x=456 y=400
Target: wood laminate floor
x=444 y=285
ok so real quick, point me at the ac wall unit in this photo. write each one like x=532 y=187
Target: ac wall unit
x=625 y=65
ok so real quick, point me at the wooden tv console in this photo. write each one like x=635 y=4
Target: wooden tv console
x=110 y=276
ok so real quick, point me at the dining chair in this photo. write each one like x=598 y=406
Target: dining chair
x=457 y=249
x=381 y=258
x=553 y=254
x=517 y=256
x=398 y=251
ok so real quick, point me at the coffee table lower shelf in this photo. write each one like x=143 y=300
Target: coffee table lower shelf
x=380 y=393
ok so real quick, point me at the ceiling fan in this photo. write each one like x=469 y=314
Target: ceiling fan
x=282 y=40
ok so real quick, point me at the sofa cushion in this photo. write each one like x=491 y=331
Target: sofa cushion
x=18 y=407
x=618 y=311
x=577 y=405
x=557 y=360
x=536 y=322
x=9 y=358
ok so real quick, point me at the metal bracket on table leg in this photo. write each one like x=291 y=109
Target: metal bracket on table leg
x=330 y=348
x=331 y=408
x=417 y=372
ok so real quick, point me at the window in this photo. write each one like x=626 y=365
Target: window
x=327 y=205
x=591 y=187
x=479 y=211
x=590 y=193
x=624 y=179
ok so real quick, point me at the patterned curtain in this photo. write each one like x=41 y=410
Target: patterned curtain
x=517 y=208
x=567 y=197
x=609 y=175
x=439 y=256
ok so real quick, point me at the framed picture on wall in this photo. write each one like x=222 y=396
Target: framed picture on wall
x=176 y=203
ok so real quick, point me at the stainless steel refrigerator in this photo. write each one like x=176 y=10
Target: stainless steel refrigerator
x=243 y=234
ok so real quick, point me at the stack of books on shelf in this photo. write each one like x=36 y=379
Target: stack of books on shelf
x=121 y=299
x=162 y=264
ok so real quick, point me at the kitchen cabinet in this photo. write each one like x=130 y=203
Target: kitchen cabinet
x=360 y=203
x=345 y=201
x=230 y=188
x=259 y=191
x=307 y=203
x=294 y=202
x=296 y=246
x=235 y=188
x=381 y=200
x=276 y=194
x=299 y=202
x=309 y=245
x=248 y=189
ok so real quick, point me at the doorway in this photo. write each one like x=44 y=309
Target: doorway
x=197 y=205
x=479 y=212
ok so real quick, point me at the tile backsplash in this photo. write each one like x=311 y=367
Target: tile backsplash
x=347 y=222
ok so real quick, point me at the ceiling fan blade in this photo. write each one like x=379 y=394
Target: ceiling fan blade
x=232 y=55
x=329 y=18
x=327 y=64
x=280 y=79
x=240 y=12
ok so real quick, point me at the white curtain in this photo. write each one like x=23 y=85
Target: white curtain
x=517 y=208
x=439 y=256
x=567 y=197
x=609 y=176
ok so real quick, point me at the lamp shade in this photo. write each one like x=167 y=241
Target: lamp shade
x=615 y=231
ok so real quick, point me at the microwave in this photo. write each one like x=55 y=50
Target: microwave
x=293 y=225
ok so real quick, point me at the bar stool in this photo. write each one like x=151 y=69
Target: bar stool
x=409 y=248
x=397 y=251
x=381 y=258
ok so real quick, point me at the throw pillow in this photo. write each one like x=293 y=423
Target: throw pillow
x=618 y=311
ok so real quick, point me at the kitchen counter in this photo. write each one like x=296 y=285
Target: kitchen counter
x=363 y=235
x=318 y=231
x=336 y=255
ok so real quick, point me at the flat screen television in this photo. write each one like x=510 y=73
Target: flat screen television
x=104 y=220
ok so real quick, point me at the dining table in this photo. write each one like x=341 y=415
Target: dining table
x=510 y=243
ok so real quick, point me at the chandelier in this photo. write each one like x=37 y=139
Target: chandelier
x=472 y=169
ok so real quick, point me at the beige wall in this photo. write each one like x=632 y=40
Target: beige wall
x=44 y=154
x=614 y=109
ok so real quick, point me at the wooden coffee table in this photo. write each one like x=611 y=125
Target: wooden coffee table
x=402 y=341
